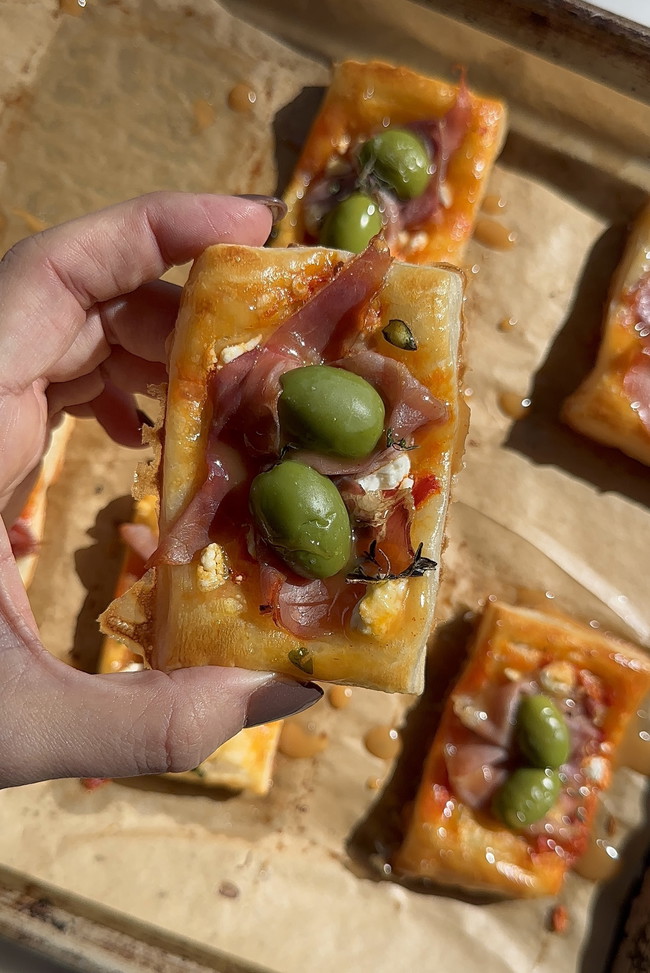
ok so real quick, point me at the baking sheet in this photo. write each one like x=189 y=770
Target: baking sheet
x=537 y=507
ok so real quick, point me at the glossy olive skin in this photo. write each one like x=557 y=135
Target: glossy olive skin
x=527 y=795
x=352 y=224
x=302 y=517
x=400 y=159
x=330 y=410
x=542 y=732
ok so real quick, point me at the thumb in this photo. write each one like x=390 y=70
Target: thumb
x=58 y=722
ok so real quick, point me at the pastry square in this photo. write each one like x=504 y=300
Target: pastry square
x=474 y=824
x=217 y=600
x=462 y=133
x=612 y=405
x=26 y=533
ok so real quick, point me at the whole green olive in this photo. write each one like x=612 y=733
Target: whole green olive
x=527 y=795
x=302 y=516
x=542 y=732
x=352 y=224
x=330 y=410
x=400 y=159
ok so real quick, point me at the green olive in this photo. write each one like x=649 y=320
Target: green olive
x=352 y=224
x=330 y=410
x=400 y=159
x=542 y=732
x=302 y=516
x=527 y=795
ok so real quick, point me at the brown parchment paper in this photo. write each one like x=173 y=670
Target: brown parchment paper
x=102 y=106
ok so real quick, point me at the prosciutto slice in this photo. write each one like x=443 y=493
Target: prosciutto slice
x=443 y=136
x=304 y=608
x=491 y=712
x=409 y=404
x=473 y=767
x=636 y=384
x=240 y=388
x=640 y=303
x=191 y=531
x=302 y=340
x=306 y=334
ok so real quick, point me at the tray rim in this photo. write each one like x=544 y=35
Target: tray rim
x=575 y=34
x=45 y=918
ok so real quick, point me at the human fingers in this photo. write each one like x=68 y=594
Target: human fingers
x=118 y=413
x=126 y=371
x=140 y=322
x=59 y=722
x=50 y=281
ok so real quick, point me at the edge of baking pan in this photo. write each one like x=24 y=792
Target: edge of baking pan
x=85 y=938
x=594 y=42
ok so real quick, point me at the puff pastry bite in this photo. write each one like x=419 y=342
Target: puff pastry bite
x=526 y=742
x=26 y=533
x=244 y=762
x=312 y=420
x=392 y=147
x=613 y=404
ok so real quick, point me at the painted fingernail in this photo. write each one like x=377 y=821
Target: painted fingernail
x=280 y=698
x=277 y=207
x=143 y=418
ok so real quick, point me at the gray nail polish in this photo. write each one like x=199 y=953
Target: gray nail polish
x=277 y=207
x=280 y=698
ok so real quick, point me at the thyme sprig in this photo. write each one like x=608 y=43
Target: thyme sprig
x=397 y=443
x=416 y=569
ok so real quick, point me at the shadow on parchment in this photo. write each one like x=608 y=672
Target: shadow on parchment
x=540 y=434
x=611 y=907
x=98 y=567
x=376 y=837
x=585 y=184
x=290 y=128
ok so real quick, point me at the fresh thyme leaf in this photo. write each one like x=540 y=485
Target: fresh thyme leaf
x=285 y=449
x=198 y=771
x=369 y=555
x=397 y=443
x=416 y=569
x=418 y=566
x=301 y=659
x=398 y=333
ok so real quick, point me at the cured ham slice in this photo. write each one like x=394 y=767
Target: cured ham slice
x=637 y=386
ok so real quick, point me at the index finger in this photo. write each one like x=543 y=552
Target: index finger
x=49 y=281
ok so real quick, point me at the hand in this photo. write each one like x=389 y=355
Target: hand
x=83 y=327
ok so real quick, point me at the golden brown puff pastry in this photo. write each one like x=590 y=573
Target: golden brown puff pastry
x=465 y=133
x=26 y=533
x=244 y=762
x=224 y=603
x=613 y=403
x=457 y=834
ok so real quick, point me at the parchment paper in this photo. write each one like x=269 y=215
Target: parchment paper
x=104 y=107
